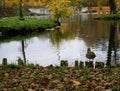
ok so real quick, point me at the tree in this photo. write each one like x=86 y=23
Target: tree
x=60 y=8
x=2 y=7
x=20 y=11
x=84 y=3
x=112 y=6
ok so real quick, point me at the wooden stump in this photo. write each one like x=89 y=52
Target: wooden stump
x=81 y=64
x=89 y=64
x=99 y=65
x=4 y=61
x=76 y=64
x=20 y=62
x=118 y=65
x=64 y=63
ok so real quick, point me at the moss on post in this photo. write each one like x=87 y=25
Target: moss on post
x=81 y=64
x=64 y=63
x=20 y=62
x=89 y=64
x=99 y=65
x=76 y=64
x=4 y=61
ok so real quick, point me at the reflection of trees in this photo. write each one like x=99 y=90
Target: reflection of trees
x=23 y=51
x=56 y=37
x=92 y=31
x=67 y=31
x=112 y=45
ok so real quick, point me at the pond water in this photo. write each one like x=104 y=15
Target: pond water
x=70 y=42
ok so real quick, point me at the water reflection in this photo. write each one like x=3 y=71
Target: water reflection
x=23 y=50
x=70 y=42
x=112 y=47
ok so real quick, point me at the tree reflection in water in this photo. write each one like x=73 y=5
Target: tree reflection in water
x=23 y=51
x=112 y=50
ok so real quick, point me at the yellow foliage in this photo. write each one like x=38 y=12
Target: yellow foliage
x=25 y=2
x=60 y=8
x=11 y=2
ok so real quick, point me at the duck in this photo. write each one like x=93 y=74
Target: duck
x=90 y=54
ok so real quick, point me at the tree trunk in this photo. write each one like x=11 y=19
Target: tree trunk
x=112 y=6
x=21 y=13
x=2 y=8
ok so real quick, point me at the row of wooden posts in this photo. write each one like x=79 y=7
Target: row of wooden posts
x=65 y=63
x=4 y=61
x=86 y=64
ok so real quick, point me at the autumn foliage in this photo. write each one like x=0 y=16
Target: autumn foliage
x=60 y=8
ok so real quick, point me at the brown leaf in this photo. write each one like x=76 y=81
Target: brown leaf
x=75 y=83
x=31 y=90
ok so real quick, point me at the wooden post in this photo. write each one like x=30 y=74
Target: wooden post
x=76 y=64
x=4 y=61
x=81 y=64
x=99 y=65
x=20 y=61
x=64 y=63
x=89 y=64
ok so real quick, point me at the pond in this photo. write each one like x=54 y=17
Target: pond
x=70 y=42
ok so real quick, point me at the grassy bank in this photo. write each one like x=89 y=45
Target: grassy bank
x=38 y=78
x=108 y=17
x=13 y=26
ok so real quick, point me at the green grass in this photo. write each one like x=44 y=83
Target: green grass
x=12 y=66
x=108 y=17
x=28 y=23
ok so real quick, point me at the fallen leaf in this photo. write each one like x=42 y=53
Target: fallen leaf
x=75 y=83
